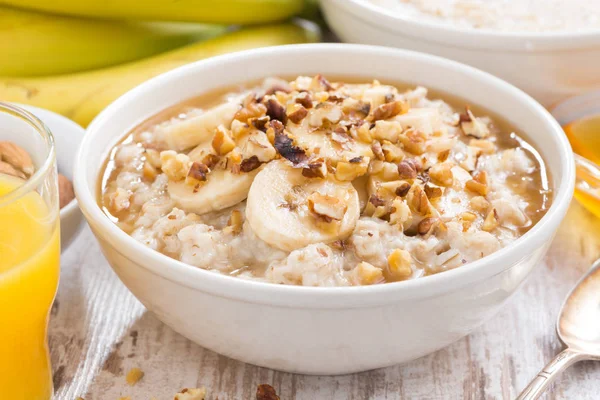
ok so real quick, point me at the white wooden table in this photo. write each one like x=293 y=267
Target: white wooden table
x=98 y=331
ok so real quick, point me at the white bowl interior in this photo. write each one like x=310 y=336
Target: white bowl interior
x=364 y=62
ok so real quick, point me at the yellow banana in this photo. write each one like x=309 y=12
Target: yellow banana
x=82 y=96
x=212 y=11
x=35 y=44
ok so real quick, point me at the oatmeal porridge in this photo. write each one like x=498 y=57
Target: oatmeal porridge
x=501 y=15
x=318 y=183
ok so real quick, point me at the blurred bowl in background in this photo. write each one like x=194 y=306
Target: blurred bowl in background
x=67 y=136
x=550 y=66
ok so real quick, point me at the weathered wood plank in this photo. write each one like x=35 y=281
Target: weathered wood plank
x=99 y=331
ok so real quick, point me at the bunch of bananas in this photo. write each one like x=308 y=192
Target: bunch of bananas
x=75 y=57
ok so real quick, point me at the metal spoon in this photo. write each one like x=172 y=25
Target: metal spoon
x=578 y=327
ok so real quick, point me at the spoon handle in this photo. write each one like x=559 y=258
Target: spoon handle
x=558 y=364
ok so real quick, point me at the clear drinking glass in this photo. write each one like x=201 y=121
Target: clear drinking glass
x=29 y=257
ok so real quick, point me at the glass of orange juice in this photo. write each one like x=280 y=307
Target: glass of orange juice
x=29 y=256
x=580 y=119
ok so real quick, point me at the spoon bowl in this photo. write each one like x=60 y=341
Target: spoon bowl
x=578 y=327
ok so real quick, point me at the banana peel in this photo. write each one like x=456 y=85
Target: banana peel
x=82 y=96
x=35 y=44
x=209 y=11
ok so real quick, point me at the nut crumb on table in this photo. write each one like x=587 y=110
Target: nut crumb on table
x=134 y=376
x=191 y=394
x=266 y=392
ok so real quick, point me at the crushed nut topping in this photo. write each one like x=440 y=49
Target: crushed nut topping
x=250 y=164
x=326 y=207
x=276 y=111
x=389 y=110
x=312 y=182
x=408 y=169
x=286 y=148
x=198 y=171
x=297 y=114
x=316 y=169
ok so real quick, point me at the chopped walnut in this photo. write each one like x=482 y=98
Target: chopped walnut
x=284 y=145
x=480 y=204
x=392 y=153
x=473 y=126
x=153 y=157
x=413 y=141
x=174 y=165
x=427 y=225
x=325 y=112
x=476 y=187
x=386 y=130
x=235 y=223
x=491 y=222
x=320 y=83
x=362 y=133
x=401 y=213
x=399 y=264
x=275 y=110
x=119 y=200
x=356 y=108
x=304 y=99
x=197 y=174
x=485 y=146
x=349 y=170
x=366 y=274
x=441 y=174
x=389 y=110
x=433 y=192
x=469 y=162
x=222 y=141
x=468 y=216
x=377 y=150
x=297 y=113
x=251 y=110
x=408 y=169
x=315 y=169
x=250 y=164
x=257 y=144
x=326 y=207
x=418 y=201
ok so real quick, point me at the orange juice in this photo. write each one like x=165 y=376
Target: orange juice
x=584 y=136
x=29 y=271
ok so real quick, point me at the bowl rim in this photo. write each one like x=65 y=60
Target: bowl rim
x=485 y=39
x=319 y=297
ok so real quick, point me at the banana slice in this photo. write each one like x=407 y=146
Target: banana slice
x=289 y=211
x=426 y=120
x=222 y=189
x=324 y=145
x=191 y=132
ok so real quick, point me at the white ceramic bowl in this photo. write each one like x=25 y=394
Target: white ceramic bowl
x=67 y=137
x=548 y=66
x=322 y=330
